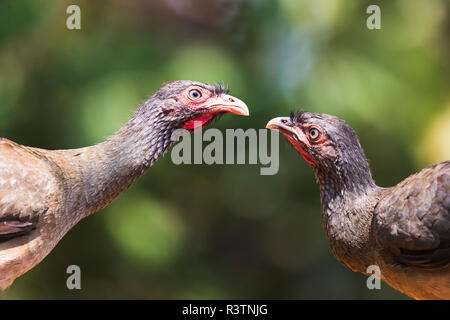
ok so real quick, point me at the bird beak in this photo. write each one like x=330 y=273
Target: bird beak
x=282 y=124
x=229 y=104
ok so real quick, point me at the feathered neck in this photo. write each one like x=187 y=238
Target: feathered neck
x=108 y=168
x=348 y=196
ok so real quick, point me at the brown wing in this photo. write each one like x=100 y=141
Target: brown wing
x=413 y=219
x=24 y=184
x=14 y=228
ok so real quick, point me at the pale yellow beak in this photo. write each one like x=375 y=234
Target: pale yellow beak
x=229 y=104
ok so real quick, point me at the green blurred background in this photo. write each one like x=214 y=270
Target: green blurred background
x=221 y=231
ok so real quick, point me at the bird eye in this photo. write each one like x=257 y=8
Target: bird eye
x=194 y=94
x=314 y=133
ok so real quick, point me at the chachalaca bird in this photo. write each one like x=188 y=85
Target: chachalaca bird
x=44 y=193
x=404 y=230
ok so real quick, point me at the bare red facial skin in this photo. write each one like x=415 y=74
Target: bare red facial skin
x=298 y=147
x=195 y=104
x=299 y=136
x=199 y=122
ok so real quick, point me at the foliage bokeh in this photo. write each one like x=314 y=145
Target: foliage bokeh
x=221 y=231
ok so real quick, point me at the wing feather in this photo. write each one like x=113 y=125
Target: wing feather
x=412 y=220
x=24 y=182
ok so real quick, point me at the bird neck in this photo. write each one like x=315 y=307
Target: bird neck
x=348 y=195
x=108 y=168
x=339 y=179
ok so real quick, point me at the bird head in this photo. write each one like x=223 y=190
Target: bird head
x=331 y=146
x=325 y=142
x=311 y=135
x=176 y=105
x=193 y=105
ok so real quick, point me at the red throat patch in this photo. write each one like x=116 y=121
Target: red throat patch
x=199 y=122
x=304 y=154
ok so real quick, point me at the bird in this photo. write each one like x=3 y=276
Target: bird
x=44 y=193
x=403 y=230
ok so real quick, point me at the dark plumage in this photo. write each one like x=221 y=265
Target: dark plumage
x=44 y=193
x=405 y=230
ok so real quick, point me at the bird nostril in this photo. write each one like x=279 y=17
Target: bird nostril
x=231 y=99
x=283 y=121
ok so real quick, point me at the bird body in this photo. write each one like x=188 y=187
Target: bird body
x=44 y=193
x=411 y=226
x=404 y=230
